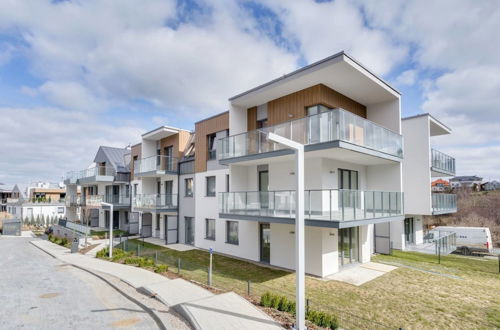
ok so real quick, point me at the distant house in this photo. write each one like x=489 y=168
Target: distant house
x=465 y=181
x=7 y=193
x=440 y=185
x=492 y=185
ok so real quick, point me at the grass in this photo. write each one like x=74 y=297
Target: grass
x=102 y=233
x=405 y=297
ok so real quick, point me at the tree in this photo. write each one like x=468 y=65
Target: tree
x=32 y=220
x=50 y=199
x=37 y=222
x=42 y=220
x=26 y=221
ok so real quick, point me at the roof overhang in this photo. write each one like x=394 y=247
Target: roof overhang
x=437 y=128
x=339 y=72
x=160 y=133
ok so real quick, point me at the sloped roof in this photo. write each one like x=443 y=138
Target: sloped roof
x=9 y=188
x=466 y=178
x=440 y=181
x=114 y=157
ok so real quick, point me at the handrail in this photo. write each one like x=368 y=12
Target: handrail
x=442 y=161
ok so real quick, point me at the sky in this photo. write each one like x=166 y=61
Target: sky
x=75 y=75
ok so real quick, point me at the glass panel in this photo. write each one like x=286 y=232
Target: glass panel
x=265 y=242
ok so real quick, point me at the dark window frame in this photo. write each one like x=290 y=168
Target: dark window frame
x=207 y=236
x=228 y=239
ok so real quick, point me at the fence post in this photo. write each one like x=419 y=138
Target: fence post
x=390 y=247
x=156 y=257
x=178 y=265
x=120 y=238
x=138 y=250
x=499 y=263
x=307 y=306
x=439 y=253
x=249 y=283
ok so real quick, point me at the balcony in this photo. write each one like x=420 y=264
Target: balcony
x=444 y=203
x=335 y=128
x=118 y=201
x=35 y=200
x=155 y=202
x=74 y=201
x=337 y=208
x=155 y=166
x=442 y=164
x=89 y=175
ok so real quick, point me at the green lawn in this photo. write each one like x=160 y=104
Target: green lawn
x=406 y=297
x=103 y=233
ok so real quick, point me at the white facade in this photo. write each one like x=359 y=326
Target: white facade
x=45 y=211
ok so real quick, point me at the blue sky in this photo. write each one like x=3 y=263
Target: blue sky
x=74 y=75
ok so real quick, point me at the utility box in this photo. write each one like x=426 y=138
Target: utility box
x=12 y=227
x=74 y=245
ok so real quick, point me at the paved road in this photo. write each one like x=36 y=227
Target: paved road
x=39 y=292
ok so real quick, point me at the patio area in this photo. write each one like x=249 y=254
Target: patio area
x=361 y=273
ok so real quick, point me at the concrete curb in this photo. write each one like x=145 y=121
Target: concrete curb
x=148 y=310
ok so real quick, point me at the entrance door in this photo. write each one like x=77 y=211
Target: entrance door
x=168 y=192
x=189 y=228
x=409 y=233
x=170 y=229
x=265 y=242
x=116 y=219
x=348 y=246
x=147 y=225
x=263 y=189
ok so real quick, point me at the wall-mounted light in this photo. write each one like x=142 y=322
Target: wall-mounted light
x=292 y=173
x=332 y=234
x=290 y=115
x=292 y=232
x=332 y=171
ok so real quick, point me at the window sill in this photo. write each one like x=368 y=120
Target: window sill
x=191 y=196
x=209 y=195
x=238 y=243
x=210 y=239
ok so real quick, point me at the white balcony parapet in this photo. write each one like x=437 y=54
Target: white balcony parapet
x=328 y=205
x=332 y=125
x=155 y=164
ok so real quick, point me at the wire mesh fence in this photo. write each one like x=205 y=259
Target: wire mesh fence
x=243 y=283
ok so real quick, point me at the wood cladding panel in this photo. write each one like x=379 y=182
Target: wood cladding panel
x=252 y=119
x=292 y=106
x=202 y=129
x=134 y=151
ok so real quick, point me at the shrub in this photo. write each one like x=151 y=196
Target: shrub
x=283 y=304
x=161 y=268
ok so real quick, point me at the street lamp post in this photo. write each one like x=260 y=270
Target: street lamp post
x=299 y=227
x=110 y=227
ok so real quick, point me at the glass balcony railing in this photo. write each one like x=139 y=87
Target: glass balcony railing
x=155 y=201
x=73 y=176
x=155 y=163
x=332 y=125
x=442 y=162
x=94 y=200
x=117 y=199
x=74 y=200
x=444 y=203
x=328 y=205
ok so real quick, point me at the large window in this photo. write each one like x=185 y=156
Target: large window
x=211 y=186
x=210 y=229
x=157 y=222
x=232 y=232
x=126 y=217
x=188 y=187
x=211 y=146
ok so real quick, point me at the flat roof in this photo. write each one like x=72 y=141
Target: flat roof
x=340 y=72
x=438 y=128
x=211 y=117
x=161 y=132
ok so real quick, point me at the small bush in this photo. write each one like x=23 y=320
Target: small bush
x=283 y=304
x=161 y=268
x=131 y=261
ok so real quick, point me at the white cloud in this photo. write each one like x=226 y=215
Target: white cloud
x=45 y=143
x=407 y=77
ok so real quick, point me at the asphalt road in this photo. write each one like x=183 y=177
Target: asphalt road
x=39 y=292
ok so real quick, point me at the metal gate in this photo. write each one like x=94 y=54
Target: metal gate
x=147 y=225
x=93 y=217
x=133 y=223
x=382 y=234
x=171 y=225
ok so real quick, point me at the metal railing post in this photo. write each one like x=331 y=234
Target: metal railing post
x=330 y=193
x=250 y=282
x=178 y=265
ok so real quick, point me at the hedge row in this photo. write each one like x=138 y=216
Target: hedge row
x=128 y=258
x=283 y=304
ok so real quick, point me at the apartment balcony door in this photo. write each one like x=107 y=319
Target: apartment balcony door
x=348 y=246
x=169 y=189
x=169 y=153
x=265 y=242
x=189 y=230
x=263 y=189
x=348 y=180
x=409 y=231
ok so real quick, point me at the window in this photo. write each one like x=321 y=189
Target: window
x=261 y=123
x=211 y=146
x=188 y=187
x=135 y=189
x=227 y=182
x=157 y=222
x=232 y=232
x=210 y=229
x=60 y=210
x=126 y=217
x=127 y=191
x=210 y=186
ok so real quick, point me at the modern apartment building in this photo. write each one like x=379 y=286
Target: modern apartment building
x=107 y=181
x=349 y=121
x=422 y=164
x=8 y=192
x=155 y=181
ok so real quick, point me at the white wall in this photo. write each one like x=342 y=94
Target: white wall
x=416 y=166
x=40 y=209
x=237 y=119
x=386 y=114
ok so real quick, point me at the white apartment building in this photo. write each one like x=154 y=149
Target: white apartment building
x=107 y=180
x=155 y=181
x=421 y=165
